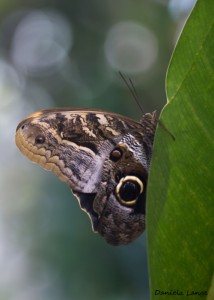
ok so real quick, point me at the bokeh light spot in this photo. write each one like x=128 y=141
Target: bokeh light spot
x=131 y=47
x=41 y=43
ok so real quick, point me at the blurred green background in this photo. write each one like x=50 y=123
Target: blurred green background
x=68 y=53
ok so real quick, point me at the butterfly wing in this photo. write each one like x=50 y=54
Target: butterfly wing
x=77 y=146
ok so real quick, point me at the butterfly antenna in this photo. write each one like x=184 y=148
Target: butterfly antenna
x=136 y=95
x=132 y=90
x=131 y=87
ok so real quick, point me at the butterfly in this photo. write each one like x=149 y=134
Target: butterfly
x=103 y=157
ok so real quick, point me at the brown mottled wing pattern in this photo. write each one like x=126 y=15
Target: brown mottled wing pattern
x=77 y=146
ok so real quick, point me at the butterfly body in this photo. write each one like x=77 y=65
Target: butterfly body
x=103 y=157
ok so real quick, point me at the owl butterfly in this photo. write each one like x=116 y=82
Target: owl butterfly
x=103 y=157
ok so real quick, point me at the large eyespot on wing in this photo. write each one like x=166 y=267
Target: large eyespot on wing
x=128 y=190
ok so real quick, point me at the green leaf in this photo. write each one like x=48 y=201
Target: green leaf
x=180 y=212
x=211 y=290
